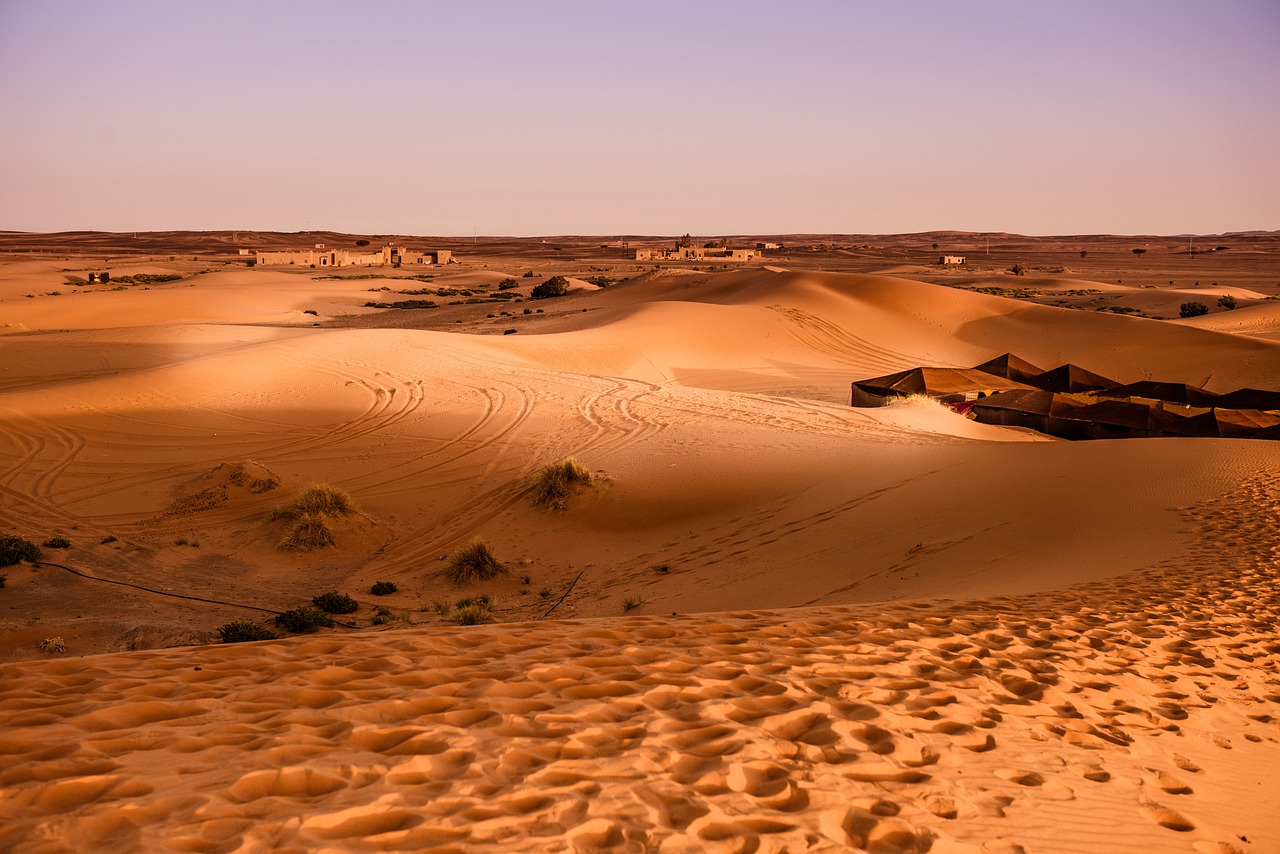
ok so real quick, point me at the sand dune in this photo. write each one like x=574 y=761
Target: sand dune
x=888 y=630
x=1117 y=716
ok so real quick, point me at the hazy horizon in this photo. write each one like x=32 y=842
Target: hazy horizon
x=575 y=118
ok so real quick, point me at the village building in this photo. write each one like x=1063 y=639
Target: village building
x=320 y=256
x=949 y=260
x=697 y=253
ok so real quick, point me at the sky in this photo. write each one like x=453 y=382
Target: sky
x=609 y=118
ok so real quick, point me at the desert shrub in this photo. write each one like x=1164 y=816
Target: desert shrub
x=56 y=543
x=507 y=284
x=474 y=615
x=630 y=603
x=14 y=549
x=303 y=620
x=545 y=593
x=334 y=602
x=3 y=579
x=1193 y=309
x=243 y=630
x=473 y=562
x=148 y=278
x=527 y=275
x=318 y=498
x=599 y=281
x=509 y=332
x=1139 y=252
x=362 y=243
x=1018 y=270
x=442 y=607
x=1227 y=301
x=308 y=531
x=311 y=312
x=381 y=617
x=556 y=286
x=555 y=482
x=109 y=538
x=383 y=588
x=54 y=646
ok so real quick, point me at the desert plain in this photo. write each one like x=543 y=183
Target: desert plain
x=770 y=622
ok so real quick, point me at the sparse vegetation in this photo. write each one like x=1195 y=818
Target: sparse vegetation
x=14 y=549
x=109 y=538
x=527 y=275
x=303 y=620
x=241 y=631
x=599 y=281
x=334 y=602
x=308 y=532
x=474 y=615
x=631 y=602
x=442 y=608
x=545 y=593
x=1193 y=309
x=381 y=616
x=1227 y=301
x=404 y=304
x=662 y=569
x=556 y=286
x=473 y=562
x=3 y=579
x=555 y=484
x=54 y=646
x=147 y=278
x=56 y=543
x=362 y=242
x=1018 y=270
x=310 y=512
x=507 y=284
x=1139 y=251
x=383 y=588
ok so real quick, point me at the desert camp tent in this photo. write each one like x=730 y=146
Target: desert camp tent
x=1071 y=379
x=1187 y=395
x=949 y=385
x=1010 y=367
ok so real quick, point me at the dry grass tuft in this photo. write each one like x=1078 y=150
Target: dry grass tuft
x=309 y=512
x=308 y=531
x=473 y=562
x=323 y=499
x=555 y=484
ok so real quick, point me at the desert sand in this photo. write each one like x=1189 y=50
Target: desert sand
x=772 y=622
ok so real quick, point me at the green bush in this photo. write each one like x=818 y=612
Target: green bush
x=243 y=630
x=57 y=543
x=334 y=602
x=555 y=482
x=1227 y=301
x=1193 y=309
x=556 y=286
x=383 y=588
x=14 y=549
x=303 y=620
x=473 y=562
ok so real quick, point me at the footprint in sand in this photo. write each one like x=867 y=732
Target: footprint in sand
x=1166 y=782
x=1167 y=818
